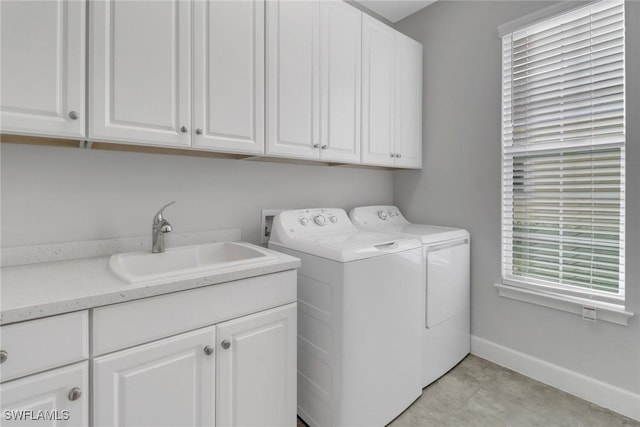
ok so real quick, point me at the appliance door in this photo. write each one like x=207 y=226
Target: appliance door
x=447 y=280
x=382 y=327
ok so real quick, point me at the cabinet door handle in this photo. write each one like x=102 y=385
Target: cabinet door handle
x=324 y=147
x=75 y=393
x=198 y=131
x=398 y=155
x=208 y=350
x=184 y=129
x=226 y=344
x=3 y=356
x=392 y=155
x=316 y=145
x=73 y=115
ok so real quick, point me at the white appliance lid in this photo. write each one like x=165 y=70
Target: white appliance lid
x=328 y=233
x=389 y=219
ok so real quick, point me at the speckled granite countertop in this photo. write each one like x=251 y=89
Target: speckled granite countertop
x=48 y=288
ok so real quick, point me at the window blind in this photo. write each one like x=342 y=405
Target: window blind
x=563 y=153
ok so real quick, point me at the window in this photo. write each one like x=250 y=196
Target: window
x=563 y=154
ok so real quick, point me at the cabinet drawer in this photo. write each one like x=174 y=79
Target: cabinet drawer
x=41 y=344
x=131 y=323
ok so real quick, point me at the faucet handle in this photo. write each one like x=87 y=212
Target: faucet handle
x=158 y=217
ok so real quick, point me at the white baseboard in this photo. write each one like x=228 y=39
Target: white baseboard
x=606 y=395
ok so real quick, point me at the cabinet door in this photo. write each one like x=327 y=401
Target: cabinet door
x=378 y=96
x=166 y=383
x=340 y=82
x=408 y=141
x=293 y=79
x=256 y=380
x=229 y=75
x=43 y=67
x=140 y=84
x=47 y=396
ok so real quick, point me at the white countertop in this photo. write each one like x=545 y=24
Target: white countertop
x=49 y=288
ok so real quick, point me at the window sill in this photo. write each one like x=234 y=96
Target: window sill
x=605 y=312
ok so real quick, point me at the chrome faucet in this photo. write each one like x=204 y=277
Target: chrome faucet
x=160 y=227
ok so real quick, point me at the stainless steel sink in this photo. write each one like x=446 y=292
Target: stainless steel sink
x=186 y=262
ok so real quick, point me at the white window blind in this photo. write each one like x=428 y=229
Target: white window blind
x=563 y=153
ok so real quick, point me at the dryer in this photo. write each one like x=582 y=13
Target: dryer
x=446 y=310
x=359 y=309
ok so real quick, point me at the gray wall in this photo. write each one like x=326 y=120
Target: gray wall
x=58 y=194
x=460 y=185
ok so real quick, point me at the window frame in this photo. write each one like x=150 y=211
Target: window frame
x=558 y=295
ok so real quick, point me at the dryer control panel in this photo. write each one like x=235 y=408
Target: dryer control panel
x=377 y=215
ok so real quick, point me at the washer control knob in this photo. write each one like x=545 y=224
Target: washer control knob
x=304 y=221
x=333 y=219
x=319 y=220
x=382 y=215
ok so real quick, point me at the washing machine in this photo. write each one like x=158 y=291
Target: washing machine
x=359 y=352
x=446 y=316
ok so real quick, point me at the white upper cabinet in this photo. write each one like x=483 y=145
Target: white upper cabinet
x=293 y=102
x=391 y=98
x=314 y=80
x=408 y=140
x=43 y=67
x=378 y=97
x=229 y=76
x=340 y=81
x=140 y=72
x=306 y=79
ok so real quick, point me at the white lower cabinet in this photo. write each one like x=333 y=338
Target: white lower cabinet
x=256 y=375
x=170 y=382
x=54 y=398
x=222 y=355
x=44 y=372
x=238 y=373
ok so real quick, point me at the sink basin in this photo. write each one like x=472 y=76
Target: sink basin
x=186 y=262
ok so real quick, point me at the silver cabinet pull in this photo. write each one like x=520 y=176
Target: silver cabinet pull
x=324 y=147
x=398 y=155
x=73 y=115
x=184 y=129
x=198 y=131
x=391 y=155
x=208 y=350
x=226 y=344
x=316 y=145
x=75 y=393
x=3 y=356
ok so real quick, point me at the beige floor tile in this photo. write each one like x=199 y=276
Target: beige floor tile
x=478 y=393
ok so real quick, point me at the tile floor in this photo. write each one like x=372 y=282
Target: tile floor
x=480 y=393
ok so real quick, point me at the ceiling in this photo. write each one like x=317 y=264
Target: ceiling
x=395 y=10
